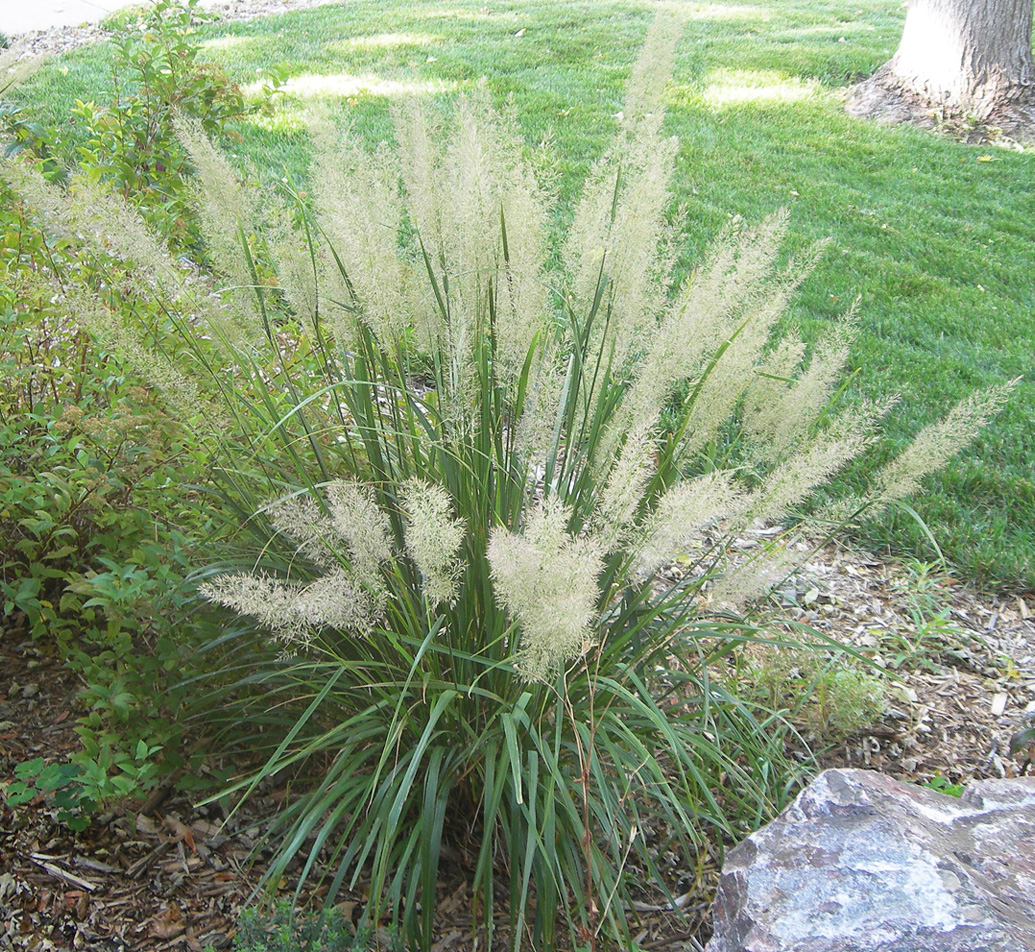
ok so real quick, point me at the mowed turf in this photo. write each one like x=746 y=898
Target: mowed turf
x=933 y=237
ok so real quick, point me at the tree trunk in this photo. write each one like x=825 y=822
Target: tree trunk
x=958 y=59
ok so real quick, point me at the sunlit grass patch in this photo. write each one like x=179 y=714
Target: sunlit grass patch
x=388 y=40
x=721 y=11
x=227 y=42
x=478 y=13
x=729 y=87
x=344 y=85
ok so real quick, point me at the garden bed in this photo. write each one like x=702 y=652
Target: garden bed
x=169 y=875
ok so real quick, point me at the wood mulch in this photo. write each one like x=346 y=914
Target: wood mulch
x=132 y=880
x=169 y=875
x=961 y=665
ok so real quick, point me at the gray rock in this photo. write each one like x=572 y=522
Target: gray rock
x=863 y=863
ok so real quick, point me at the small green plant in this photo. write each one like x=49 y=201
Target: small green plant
x=940 y=784
x=1022 y=743
x=926 y=584
x=282 y=930
x=32 y=138
x=64 y=782
x=826 y=694
x=91 y=777
x=930 y=631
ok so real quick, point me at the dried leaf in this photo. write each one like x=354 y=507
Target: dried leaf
x=169 y=925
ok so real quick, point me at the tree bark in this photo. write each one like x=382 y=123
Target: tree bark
x=958 y=59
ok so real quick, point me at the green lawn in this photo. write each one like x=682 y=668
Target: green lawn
x=936 y=238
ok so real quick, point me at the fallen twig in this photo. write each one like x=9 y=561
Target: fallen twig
x=58 y=873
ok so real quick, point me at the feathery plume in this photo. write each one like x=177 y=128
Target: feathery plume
x=112 y=225
x=535 y=429
x=707 y=312
x=420 y=161
x=335 y=601
x=620 y=222
x=484 y=232
x=226 y=213
x=363 y=527
x=547 y=579
x=360 y=212
x=937 y=443
x=520 y=285
x=309 y=527
x=268 y=600
x=730 y=373
x=617 y=233
x=757 y=577
x=350 y=539
x=433 y=538
x=350 y=532
x=763 y=409
x=652 y=71
x=782 y=401
x=795 y=477
x=45 y=201
x=680 y=516
x=623 y=492
x=293 y=613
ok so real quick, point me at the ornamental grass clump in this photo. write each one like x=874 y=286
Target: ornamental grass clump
x=462 y=472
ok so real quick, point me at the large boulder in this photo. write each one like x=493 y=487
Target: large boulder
x=862 y=863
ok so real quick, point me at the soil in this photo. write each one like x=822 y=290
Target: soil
x=168 y=875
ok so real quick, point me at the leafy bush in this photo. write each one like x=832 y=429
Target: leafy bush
x=95 y=515
x=463 y=464
x=34 y=779
x=131 y=144
x=157 y=74
x=96 y=509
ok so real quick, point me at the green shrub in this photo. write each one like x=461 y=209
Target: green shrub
x=463 y=463
x=158 y=75
x=96 y=507
x=130 y=143
x=96 y=516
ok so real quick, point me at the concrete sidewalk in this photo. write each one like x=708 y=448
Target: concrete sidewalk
x=21 y=16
